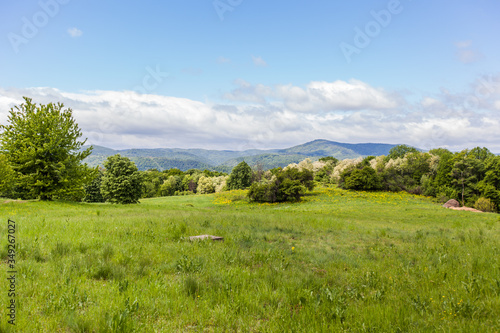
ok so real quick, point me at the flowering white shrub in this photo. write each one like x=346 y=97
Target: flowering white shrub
x=318 y=165
x=345 y=165
x=307 y=164
x=397 y=163
x=211 y=184
x=219 y=183
x=434 y=163
x=378 y=163
x=267 y=175
x=291 y=166
x=205 y=185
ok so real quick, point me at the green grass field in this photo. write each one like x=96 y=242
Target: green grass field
x=338 y=261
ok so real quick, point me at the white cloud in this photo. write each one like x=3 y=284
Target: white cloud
x=6 y=103
x=280 y=116
x=259 y=62
x=75 y=32
x=318 y=96
x=246 y=92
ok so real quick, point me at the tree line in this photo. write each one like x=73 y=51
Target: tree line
x=41 y=158
x=471 y=176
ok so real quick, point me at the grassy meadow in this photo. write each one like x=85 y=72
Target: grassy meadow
x=338 y=261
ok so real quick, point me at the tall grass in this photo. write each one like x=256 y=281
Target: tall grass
x=338 y=261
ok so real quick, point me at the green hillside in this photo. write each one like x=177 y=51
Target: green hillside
x=338 y=150
x=225 y=160
x=268 y=161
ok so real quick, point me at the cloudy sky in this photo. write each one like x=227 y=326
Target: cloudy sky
x=240 y=74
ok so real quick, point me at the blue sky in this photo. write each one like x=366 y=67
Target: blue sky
x=238 y=74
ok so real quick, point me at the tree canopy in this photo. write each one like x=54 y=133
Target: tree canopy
x=7 y=177
x=401 y=151
x=41 y=144
x=240 y=177
x=122 y=182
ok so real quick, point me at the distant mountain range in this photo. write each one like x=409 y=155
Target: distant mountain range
x=225 y=160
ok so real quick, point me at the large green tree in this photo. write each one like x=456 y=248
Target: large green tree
x=7 y=176
x=490 y=185
x=122 y=182
x=468 y=170
x=171 y=185
x=400 y=151
x=240 y=177
x=151 y=183
x=41 y=143
x=284 y=185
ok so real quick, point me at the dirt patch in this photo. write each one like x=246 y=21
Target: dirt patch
x=466 y=209
x=14 y=201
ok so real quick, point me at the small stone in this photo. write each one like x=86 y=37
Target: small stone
x=203 y=237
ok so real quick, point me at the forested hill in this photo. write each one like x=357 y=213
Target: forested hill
x=225 y=160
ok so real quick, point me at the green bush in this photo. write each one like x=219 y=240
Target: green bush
x=304 y=177
x=485 y=205
x=285 y=185
x=122 y=182
x=93 y=190
x=152 y=180
x=171 y=185
x=428 y=188
x=290 y=190
x=263 y=192
x=445 y=193
x=365 y=179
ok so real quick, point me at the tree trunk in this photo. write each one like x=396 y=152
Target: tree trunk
x=463 y=190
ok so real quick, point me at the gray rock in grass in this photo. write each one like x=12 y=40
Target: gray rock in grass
x=451 y=203
x=203 y=237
